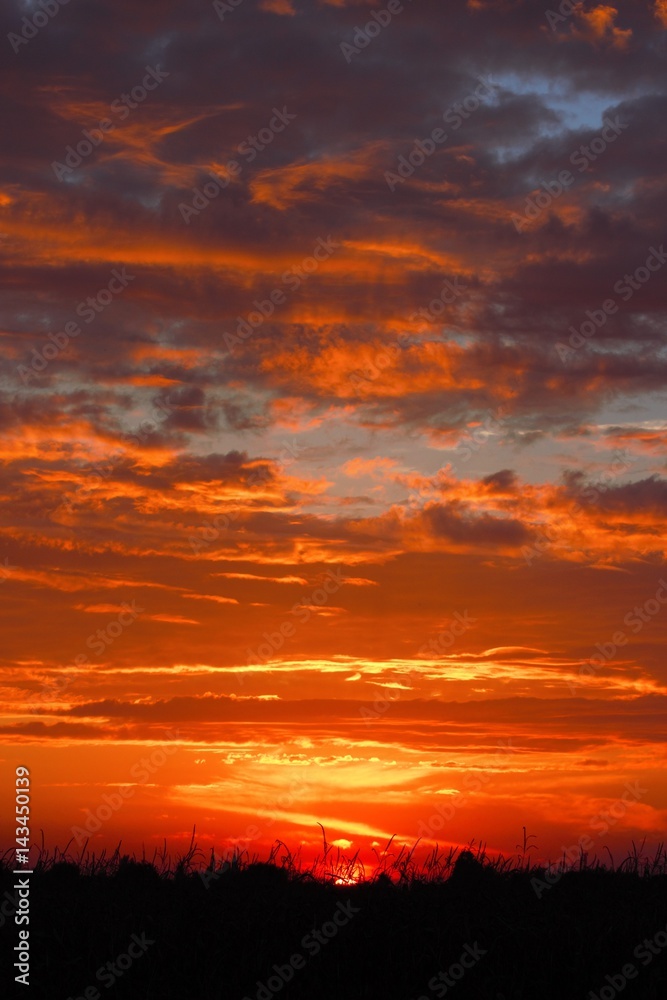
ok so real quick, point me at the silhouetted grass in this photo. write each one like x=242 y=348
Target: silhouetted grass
x=219 y=924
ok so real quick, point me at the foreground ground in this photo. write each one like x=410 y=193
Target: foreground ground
x=122 y=928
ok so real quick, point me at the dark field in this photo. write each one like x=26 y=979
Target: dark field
x=459 y=925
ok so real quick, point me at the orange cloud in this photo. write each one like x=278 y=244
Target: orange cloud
x=376 y=467
x=597 y=26
x=284 y=187
x=285 y=7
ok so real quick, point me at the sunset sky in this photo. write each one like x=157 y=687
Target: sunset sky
x=333 y=421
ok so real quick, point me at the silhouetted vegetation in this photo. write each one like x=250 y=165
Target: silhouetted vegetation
x=214 y=928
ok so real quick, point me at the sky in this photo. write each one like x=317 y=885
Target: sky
x=333 y=423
